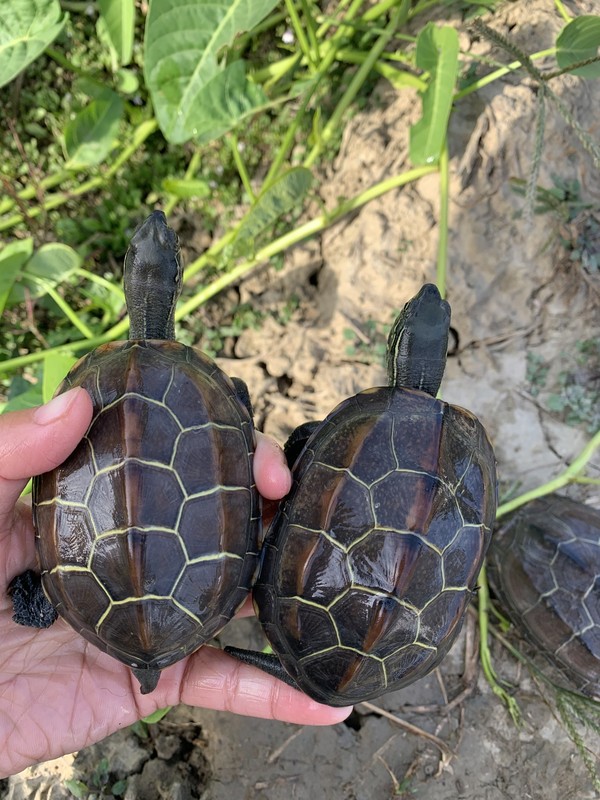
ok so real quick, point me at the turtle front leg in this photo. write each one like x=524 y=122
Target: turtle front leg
x=31 y=607
x=296 y=441
x=268 y=662
x=243 y=394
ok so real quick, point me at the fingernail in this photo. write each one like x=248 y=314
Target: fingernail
x=56 y=408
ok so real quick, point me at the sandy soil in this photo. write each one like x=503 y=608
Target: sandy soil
x=516 y=301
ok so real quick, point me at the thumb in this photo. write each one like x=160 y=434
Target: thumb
x=36 y=440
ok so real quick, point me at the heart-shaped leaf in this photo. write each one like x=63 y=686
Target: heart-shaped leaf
x=13 y=258
x=48 y=266
x=27 y=27
x=194 y=94
x=91 y=136
x=578 y=41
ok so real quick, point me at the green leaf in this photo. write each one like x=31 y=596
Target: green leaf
x=437 y=54
x=13 y=258
x=119 y=18
x=30 y=398
x=77 y=788
x=285 y=194
x=56 y=366
x=184 y=187
x=27 y=27
x=578 y=41
x=157 y=715
x=194 y=94
x=119 y=787
x=48 y=266
x=127 y=81
x=91 y=136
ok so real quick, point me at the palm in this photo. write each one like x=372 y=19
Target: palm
x=57 y=692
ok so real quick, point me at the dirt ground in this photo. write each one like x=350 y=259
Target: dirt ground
x=518 y=304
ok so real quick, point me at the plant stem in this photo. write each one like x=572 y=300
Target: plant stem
x=562 y=10
x=191 y=170
x=141 y=133
x=312 y=31
x=67 y=310
x=100 y=281
x=333 y=125
x=309 y=228
x=568 y=475
x=483 y=599
x=307 y=50
x=442 y=256
x=500 y=73
x=241 y=167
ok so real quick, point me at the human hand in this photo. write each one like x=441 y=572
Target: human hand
x=58 y=693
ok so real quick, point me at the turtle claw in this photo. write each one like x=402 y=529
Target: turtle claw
x=31 y=607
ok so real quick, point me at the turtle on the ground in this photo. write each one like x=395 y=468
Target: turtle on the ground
x=544 y=567
x=372 y=559
x=147 y=535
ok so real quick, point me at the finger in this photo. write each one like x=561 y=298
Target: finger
x=273 y=477
x=212 y=679
x=246 y=610
x=36 y=440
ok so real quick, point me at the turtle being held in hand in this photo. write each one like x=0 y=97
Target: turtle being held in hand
x=372 y=559
x=147 y=535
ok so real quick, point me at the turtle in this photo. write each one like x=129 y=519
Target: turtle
x=372 y=558
x=147 y=535
x=544 y=567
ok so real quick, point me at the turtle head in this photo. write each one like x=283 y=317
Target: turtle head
x=418 y=341
x=152 y=279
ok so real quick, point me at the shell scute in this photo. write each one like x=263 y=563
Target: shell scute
x=313 y=567
x=136 y=563
x=457 y=558
x=148 y=626
x=162 y=479
x=75 y=544
x=414 y=526
x=545 y=568
x=310 y=628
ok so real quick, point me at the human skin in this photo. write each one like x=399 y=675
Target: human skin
x=58 y=693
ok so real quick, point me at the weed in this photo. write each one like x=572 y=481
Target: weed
x=368 y=344
x=569 y=386
x=100 y=784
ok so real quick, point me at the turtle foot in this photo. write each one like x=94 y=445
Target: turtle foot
x=297 y=439
x=268 y=662
x=31 y=607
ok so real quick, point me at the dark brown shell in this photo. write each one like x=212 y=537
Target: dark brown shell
x=147 y=535
x=545 y=568
x=371 y=562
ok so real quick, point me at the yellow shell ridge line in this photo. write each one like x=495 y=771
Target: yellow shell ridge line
x=206 y=493
x=346 y=647
x=139 y=396
x=83 y=570
x=202 y=559
x=354 y=587
x=135 y=600
x=347 y=549
x=65 y=503
x=166 y=391
x=140 y=528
